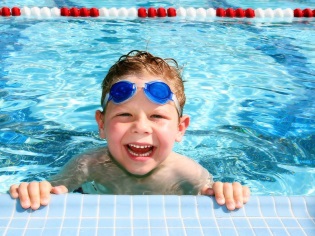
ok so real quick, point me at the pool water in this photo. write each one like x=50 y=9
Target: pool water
x=250 y=90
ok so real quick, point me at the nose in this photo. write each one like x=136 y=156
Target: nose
x=141 y=125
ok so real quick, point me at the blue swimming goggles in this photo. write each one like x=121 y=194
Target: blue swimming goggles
x=156 y=91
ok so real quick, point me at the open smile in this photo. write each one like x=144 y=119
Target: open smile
x=137 y=150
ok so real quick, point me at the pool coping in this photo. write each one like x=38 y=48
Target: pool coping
x=81 y=214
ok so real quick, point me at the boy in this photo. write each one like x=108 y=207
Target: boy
x=142 y=99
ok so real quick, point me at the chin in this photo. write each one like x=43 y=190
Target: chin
x=140 y=172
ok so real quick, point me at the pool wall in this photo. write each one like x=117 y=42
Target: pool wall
x=77 y=214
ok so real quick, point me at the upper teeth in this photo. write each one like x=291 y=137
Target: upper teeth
x=138 y=146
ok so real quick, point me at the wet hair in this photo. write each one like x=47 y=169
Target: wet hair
x=142 y=62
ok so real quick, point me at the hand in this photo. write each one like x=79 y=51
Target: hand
x=34 y=194
x=232 y=195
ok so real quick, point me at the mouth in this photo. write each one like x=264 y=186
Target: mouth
x=137 y=150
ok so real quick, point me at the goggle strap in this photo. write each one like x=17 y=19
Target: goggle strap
x=105 y=100
x=174 y=98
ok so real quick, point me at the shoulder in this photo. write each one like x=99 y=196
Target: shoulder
x=189 y=168
x=181 y=159
x=92 y=157
x=189 y=173
x=181 y=163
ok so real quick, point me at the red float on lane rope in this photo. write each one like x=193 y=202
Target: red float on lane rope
x=152 y=12
x=250 y=13
x=171 y=12
x=64 y=11
x=161 y=12
x=15 y=11
x=239 y=12
x=307 y=12
x=94 y=12
x=74 y=12
x=5 y=11
x=298 y=12
x=230 y=12
x=220 y=12
x=84 y=12
x=142 y=12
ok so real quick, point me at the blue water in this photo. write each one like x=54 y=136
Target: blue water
x=249 y=85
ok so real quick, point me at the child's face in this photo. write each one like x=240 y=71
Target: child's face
x=141 y=134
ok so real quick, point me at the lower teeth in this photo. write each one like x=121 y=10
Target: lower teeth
x=140 y=155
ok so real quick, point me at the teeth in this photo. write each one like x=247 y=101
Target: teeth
x=142 y=154
x=138 y=146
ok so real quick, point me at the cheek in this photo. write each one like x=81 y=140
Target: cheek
x=167 y=133
x=113 y=131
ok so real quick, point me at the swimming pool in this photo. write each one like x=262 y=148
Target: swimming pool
x=250 y=89
x=249 y=85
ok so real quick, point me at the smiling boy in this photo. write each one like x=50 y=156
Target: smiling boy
x=142 y=99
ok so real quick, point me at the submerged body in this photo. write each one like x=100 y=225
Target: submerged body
x=97 y=172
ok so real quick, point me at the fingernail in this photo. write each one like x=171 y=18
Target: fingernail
x=25 y=204
x=220 y=201
x=239 y=204
x=44 y=201
x=35 y=206
x=230 y=206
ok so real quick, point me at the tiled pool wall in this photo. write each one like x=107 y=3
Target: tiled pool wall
x=79 y=214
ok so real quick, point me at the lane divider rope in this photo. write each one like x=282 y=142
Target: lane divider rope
x=189 y=13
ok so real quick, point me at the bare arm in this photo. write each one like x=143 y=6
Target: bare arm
x=34 y=194
x=73 y=174
x=233 y=195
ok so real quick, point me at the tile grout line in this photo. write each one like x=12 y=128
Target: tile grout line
x=97 y=214
x=279 y=217
x=46 y=218
x=262 y=215
x=12 y=214
x=64 y=213
x=28 y=221
x=167 y=233
x=148 y=215
x=296 y=219
x=115 y=214
x=179 y=204
x=216 y=222
x=131 y=216
x=198 y=215
x=80 y=217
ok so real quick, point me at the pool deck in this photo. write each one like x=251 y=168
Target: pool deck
x=77 y=214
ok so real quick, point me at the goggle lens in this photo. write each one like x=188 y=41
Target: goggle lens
x=158 y=92
x=122 y=91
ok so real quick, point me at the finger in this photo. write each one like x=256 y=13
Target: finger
x=34 y=194
x=246 y=194
x=228 y=195
x=23 y=195
x=59 y=189
x=218 y=192
x=44 y=189
x=14 y=191
x=207 y=191
x=238 y=195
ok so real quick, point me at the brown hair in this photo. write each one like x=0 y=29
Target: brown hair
x=139 y=62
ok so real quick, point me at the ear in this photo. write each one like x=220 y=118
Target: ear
x=182 y=126
x=99 y=117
